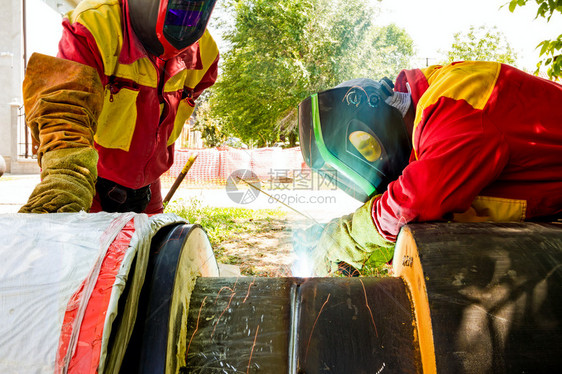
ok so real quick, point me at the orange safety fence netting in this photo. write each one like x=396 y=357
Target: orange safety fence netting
x=213 y=166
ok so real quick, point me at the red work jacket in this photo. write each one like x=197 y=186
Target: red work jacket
x=487 y=145
x=147 y=100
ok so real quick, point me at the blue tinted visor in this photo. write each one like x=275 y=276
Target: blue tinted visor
x=186 y=21
x=183 y=18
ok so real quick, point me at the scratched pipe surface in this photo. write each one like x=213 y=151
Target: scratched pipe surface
x=495 y=294
x=239 y=325
x=356 y=325
x=293 y=325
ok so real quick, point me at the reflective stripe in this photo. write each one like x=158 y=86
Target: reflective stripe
x=176 y=82
x=103 y=20
x=208 y=52
x=184 y=112
x=470 y=81
x=496 y=209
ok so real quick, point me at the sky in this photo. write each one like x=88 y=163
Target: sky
x=44 y=28
x=430 y=23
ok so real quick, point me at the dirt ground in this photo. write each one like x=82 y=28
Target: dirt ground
x=265 y=250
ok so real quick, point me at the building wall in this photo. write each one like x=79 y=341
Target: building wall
x=11 y=70
x=43 y=21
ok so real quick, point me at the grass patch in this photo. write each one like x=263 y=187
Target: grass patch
x=258 y=241
x=228 y=230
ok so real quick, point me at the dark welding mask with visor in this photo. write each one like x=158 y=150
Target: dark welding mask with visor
x=351 y=136
x=166 y=27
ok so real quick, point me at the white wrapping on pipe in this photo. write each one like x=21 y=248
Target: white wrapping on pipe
x=44 y=258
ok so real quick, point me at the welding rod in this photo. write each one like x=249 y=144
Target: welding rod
x=276 y=199
x=180 y=178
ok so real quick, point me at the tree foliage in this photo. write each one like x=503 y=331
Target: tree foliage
x=550 y=49
x=209 y=126
x=481 y=44
x=281 y=52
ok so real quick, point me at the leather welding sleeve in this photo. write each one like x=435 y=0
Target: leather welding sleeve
x=352 y=239
x=62 y=100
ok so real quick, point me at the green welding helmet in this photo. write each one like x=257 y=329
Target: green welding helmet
x=350 y=135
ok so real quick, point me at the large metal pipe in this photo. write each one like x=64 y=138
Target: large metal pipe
x=487 y=296
x=179 y=253
x=467 y=298
x=338 y=325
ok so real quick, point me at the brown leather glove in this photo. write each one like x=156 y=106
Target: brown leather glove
x=62 y=100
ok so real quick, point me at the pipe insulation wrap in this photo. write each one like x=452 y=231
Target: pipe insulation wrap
x=71 y=284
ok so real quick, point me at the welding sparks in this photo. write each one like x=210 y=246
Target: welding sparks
x=223 y=288
x=225 y=309
x=304 y=246
x=252 y=351
x=248 y=294
x=196 y=326
x=314 y=326
x=368 y=307
x=302 y=267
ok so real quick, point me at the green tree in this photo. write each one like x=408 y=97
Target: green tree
x=281 y=52
x=550 y=49
x=481 y=44
x=384 y=52
x=210 y=127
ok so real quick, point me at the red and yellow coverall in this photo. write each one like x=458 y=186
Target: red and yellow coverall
x=146 y=100
x=487 y=145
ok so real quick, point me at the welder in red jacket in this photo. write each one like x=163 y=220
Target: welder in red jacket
x=107 y=110
x=470 y=141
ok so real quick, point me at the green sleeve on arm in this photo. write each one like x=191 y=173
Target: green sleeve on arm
x=353 y=239
x=67 y=182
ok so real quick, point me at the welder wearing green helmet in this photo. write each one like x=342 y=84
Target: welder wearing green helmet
x=469 y=141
